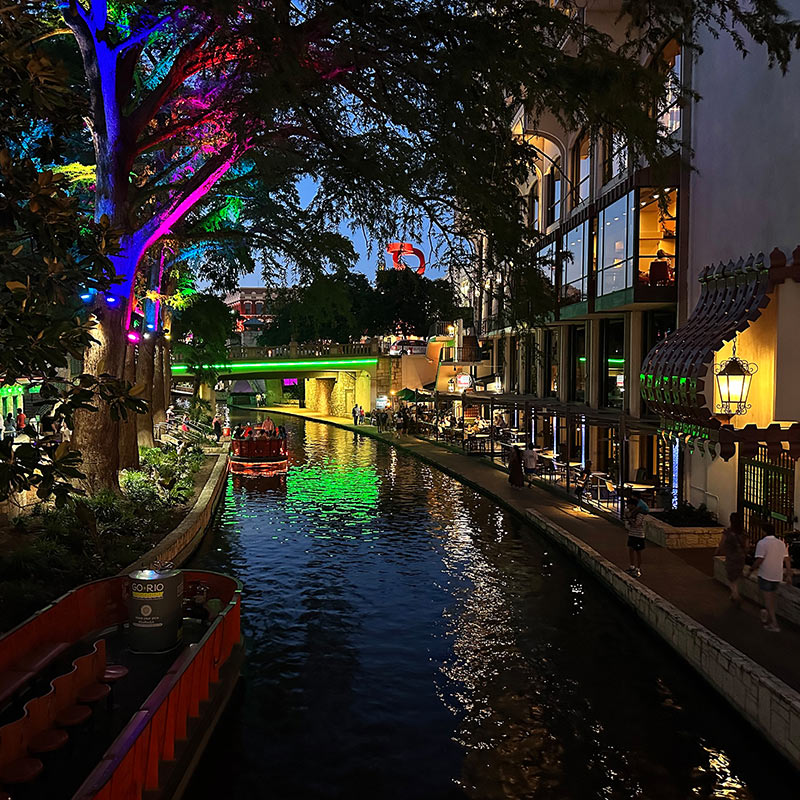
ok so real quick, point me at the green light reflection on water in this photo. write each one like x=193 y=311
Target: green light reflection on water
x=348 y=495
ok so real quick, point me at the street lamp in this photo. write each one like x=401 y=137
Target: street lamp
x=733 y=384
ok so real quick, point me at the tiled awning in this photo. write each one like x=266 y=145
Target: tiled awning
x=677 y=372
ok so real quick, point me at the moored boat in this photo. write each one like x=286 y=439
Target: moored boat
x=109 y=666
x=259 y=456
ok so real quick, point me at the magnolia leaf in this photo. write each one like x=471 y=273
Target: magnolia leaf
x=16 y=286
x=137 y=390
x=62 y=450
x=16 y=251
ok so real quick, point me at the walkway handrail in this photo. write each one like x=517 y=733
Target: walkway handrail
x=130 y=767
x=297 y=350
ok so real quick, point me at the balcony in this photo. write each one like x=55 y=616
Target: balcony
x=470 y=354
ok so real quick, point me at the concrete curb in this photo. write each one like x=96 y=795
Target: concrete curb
x=185 y=537
x=771 y=706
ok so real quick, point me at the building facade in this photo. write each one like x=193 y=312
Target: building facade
x=630 y=255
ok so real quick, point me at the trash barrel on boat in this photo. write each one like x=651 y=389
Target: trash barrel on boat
x=155 y=610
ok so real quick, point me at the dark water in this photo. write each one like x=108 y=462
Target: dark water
x=407 y=639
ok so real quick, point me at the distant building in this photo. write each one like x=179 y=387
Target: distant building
x=252 y=302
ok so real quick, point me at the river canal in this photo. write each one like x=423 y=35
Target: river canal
x=408 y=639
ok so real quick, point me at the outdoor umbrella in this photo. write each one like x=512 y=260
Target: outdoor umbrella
x=407 y=395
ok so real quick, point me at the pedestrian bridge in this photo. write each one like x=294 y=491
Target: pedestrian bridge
x=292 y=360
x=333 y=378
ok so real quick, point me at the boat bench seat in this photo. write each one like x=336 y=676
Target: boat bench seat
x=42 y=656
x=12 y=682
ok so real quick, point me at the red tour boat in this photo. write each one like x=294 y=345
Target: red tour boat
x=258 y=456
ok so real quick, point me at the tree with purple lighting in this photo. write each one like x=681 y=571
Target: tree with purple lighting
x=401 y=112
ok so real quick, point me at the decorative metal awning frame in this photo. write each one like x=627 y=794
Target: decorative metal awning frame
x=678 y=371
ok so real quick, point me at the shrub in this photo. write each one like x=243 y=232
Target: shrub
x=688 y=516
x=141 y=490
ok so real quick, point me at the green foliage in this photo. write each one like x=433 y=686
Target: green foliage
x=688 y=516
x=139 y=489
x=201 y=331
x=51 y=250
x=344 y=306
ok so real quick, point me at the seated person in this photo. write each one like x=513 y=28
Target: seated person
x=660 y=273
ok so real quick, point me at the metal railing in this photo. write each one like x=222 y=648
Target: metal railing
x=460 y=355
x=297 y=350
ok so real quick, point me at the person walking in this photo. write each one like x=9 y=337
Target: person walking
x=772 y=567
x=9 y=427
x=634 y=522
x=354 y=412
x=360 y=415
x=732 y=547
x=216 y=424
x=515 y=475
x=21 y=418
x=530 y=459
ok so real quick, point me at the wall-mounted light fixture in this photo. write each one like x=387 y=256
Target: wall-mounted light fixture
x=733 y=384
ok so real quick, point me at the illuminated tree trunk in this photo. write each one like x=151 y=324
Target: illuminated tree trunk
x=145 y=373
x=96 y=434
x=158 y=405
x=128 y=446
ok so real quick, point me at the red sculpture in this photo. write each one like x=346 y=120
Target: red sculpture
x=398 y=249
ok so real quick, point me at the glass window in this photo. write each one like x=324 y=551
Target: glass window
x=615 y=155
x=575 y=263
x=670 y=109
x=550 y=363
x=582 y=169
x=658 y=214
x=613 y=341
x=533 y=206
x=615 y=248
x=547 y=261
x=577 y=356
x=248 y=307
x=554 y=193
x=259 y=307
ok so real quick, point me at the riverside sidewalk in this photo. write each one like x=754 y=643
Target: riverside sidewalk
x=687 y=588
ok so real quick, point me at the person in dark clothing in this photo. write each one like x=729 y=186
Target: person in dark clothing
x=238 y=431
x=217 y=426
x=516 y=476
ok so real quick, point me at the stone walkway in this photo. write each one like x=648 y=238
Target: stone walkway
x=665 y=572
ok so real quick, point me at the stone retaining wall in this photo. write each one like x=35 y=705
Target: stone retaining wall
x=769 y=704
x=665 y=535
x=184 y=539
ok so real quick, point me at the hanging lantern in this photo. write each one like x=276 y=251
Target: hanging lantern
x=733 y=384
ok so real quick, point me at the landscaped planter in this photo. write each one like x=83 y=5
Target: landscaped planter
x=666 y=535
x=788 y=595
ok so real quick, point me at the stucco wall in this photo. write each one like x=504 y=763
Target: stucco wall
x=745 y=139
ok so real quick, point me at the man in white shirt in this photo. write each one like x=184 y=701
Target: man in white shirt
x=529 y=461
x=771 y=565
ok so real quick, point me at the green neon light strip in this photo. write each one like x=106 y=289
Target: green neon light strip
x=274 y=366
x=610 y=360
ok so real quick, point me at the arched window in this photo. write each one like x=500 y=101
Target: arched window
x=533 y=206
x=554 y=193
x=615 y=155
x=669 y=111
x=259 y=307
x=582 y=169
x=248 y=307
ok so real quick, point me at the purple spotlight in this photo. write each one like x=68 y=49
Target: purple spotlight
x=290 y=381
x=111 y=300
x=133 y=336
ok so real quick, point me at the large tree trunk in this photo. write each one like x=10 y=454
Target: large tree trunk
x=145 y=369
x=128 y=446
x=158 y=405
x=95 y=434
x=166 y=371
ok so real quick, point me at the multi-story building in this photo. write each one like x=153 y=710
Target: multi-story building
x=623 y=373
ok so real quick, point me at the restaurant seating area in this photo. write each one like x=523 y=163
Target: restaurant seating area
x=555 y=453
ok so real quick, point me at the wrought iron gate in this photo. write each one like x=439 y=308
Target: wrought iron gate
x=766 y=492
